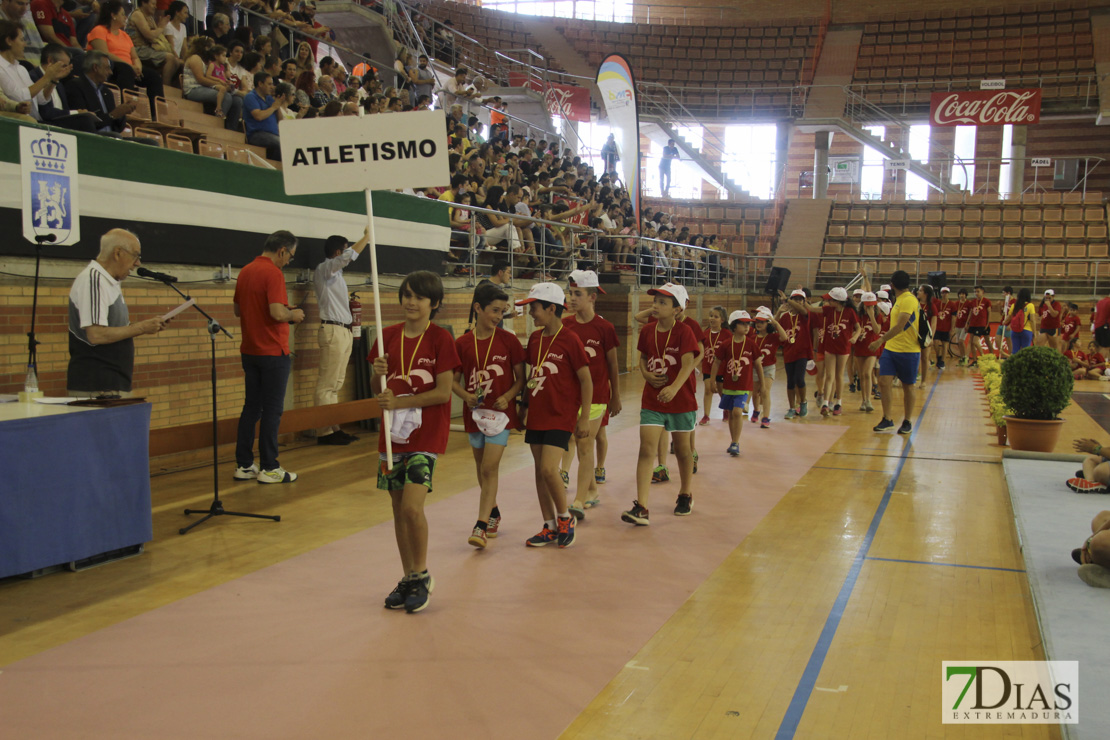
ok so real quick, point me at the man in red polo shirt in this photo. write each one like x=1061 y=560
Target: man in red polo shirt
x=54 y=23
x=261 y=304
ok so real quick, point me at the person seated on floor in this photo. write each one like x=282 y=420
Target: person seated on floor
x=1096 y=362
x=1095 y=475
x=1094 y=556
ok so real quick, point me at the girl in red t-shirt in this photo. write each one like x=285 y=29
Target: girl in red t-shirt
x=873 y=324
x=1096 y=363
x=959 y=337
x=769 y=335
x=713 y=335
x=1077 y=358
x=738 y=362
x=841 y=325
x=796 y=351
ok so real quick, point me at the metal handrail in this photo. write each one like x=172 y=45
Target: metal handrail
x=294 y=31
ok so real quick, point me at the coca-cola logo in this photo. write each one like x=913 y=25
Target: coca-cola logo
x=986 y=108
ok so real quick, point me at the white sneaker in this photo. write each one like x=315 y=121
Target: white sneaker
x=246 y=473
x=277 y=475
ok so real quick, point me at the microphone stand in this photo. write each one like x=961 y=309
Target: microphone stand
x=32 y=342
x=217 y=507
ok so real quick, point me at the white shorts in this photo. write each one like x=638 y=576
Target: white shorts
x=769 y=371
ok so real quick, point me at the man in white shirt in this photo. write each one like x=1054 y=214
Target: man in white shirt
x=14 y=79
x=459 y=92
x=334 y=336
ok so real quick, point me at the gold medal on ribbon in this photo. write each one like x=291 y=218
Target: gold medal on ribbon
x=533 y=383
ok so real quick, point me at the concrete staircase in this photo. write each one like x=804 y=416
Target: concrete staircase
x=659 y=130
x=802 y=238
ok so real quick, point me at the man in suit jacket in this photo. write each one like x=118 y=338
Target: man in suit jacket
x=87 y=92
x=58 y=111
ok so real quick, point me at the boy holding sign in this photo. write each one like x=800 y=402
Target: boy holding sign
x=419 y=366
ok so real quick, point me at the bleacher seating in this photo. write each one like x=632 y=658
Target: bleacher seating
x=902 y=56
x=749 y=227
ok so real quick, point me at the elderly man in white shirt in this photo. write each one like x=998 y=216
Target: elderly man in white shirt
x=334 y=336
x=14 y=79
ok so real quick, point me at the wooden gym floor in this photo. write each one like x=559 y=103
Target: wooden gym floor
x=830 y=619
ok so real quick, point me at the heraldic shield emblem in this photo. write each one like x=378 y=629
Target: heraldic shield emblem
x=49 y=165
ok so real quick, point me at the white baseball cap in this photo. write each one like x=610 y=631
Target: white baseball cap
x=763 y=313
x=858 y=291
x=883 y=295
x=1050 y=291
x=838 y=294
x=584 y=279
x=549 y=292
x=797 y=293
x=885 y=287
x=869 y=299
x=742 y=316
x=674 y=290
x=885 y=308
x=945 y=289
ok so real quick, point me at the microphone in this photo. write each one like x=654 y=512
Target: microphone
x=156 y=275
x=45 y=238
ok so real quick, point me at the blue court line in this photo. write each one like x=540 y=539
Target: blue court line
x=808 y=681
x=947 y=565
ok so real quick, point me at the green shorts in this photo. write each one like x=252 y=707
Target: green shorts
x=597 y=410
x=683 y=422
x=415 y=467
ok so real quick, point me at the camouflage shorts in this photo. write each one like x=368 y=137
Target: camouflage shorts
x=413 y=468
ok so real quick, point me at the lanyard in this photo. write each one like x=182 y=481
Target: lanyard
x=663 y=354
x=490 y=347
x=537 y=366
x=412 y=360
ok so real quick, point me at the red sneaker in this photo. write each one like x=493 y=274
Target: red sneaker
x=1082 y=485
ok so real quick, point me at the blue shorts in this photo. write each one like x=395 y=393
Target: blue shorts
x=902 y=365
x=479 y=440
x=730 y=401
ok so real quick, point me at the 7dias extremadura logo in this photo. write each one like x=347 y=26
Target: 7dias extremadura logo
x=1010 y=692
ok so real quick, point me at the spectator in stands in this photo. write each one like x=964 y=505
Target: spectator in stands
x=307 y=22
x=233 y=69
x=334 y=335
x=86 y=92
x=499 y=229
x=424 y=102
x=198 y=86
x=422 y=79
x=401 y=67
x=670 y=153
x=246 y=69
x=262 y=112
x=305 y=59
x=457 y=91
x=149 y=39
x=110 y=38
x=15 y=81
x=176 y=33
x=101 y=334
x=219 y=29
x=286 y=94
x=445 y=42
x=17 y=12
x=55 y=25
x=263 y=45
x=290 y=71
x=11 y=109
x=261 y=303
x=307 y=94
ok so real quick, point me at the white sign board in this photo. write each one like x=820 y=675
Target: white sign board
x=387 y=151
x=844 y=169
x=1041 y=161
x=992 y=84
x=50 y=204
x=898 y=164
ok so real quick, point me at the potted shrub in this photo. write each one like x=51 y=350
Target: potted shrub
x=999 y=412
x=1036 y=385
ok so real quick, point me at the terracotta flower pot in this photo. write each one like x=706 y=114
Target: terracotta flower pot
x=1001 y=432
x=1033 y=435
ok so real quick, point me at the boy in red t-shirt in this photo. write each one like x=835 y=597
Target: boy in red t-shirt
x=488 y=381
x=560 y=391
x=1069 y=323
x=978 y=324
x=599 y=337
x=667 y=351
x=738 y=360
x=419 y=366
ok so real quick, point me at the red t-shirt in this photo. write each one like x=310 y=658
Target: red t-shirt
x=1069 y=326
x=45 y=14
x=738 y=360
x=945 y=311
x=491 y=369
x=695 y=329
x=980 y=314
x=710 y=340
x=963 y=308
x=557 y=398
x=663 y=351
x=261 y=283
x=1047 y=320
x=869 y=335
x=799 y=346
x=1095 y=359
x=422 y=359
x=598 y=337
x=767 y=346
x=1076 y=354
x=839 y=324
x=1102 y=313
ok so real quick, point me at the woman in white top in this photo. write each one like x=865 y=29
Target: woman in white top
x=14 y=80
x=175 y=30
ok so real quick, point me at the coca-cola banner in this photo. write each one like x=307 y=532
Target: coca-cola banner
x=985 y=107
x=560 y=100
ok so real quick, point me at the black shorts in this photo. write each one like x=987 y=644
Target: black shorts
x=942 y=336
x=706 y=376
x=1102 y=336
x=551 y=437
x=978 y=331
x=1049 y=332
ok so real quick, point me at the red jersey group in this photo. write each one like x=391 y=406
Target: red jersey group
x=556 y=399
x=840 y=323
x=738 y=358
x=798 y=345
x=598 y=337
x=662 y=352
x=488 y=371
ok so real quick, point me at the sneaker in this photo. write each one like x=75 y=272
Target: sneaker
x=940 y=365
x=790 y=414
x=825 y=410
x=637 y=515
x=836 y=410
x=592 y=502
x=905 y=428
x=491 y=528
x=565 y=476
x=755 y=416
x=805 y=409
x=660 y=474
x=765 y=422
x=734 y=449
x=852 y=387
x=1082 y=485
x=396 y=598
x=544 y=537
x=863 y=406
x=246 y=473
x=869 y=408
x=877 y=394
x=704 y=421
x=420 y=592
x=685 y=505
x=884 y=425
x=599 y=475
x=477 y=538
x=579 y=512
x=695 y=461
x=1077 y=555
x=335 y=438
x=277 y=475
x=566 y=532
x=352 y=437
